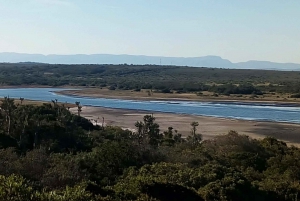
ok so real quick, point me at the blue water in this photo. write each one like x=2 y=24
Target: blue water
x=261 y=112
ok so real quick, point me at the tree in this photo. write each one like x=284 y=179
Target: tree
x=79 y=107
x=148 y=130
x=195 y=138
x=168 y=137
x=194 y=127
x=140 y=135
x=8 y=106
x=15 y=188
x=62 y=171
x=21 y=99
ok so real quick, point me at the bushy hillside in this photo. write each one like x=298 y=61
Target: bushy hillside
x=49 y=154
x=160 y=78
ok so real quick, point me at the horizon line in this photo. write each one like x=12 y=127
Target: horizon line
x=141 y=55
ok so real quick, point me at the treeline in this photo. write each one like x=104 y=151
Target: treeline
x=228 y=89
x=47 y=153
x=160 y=78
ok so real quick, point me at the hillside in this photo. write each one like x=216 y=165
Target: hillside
x=205 y=61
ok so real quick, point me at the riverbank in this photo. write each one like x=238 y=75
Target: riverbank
x=93 y=92
x=205 y=97
x=208 y=126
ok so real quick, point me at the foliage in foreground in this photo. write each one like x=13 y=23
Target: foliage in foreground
x=49 y=154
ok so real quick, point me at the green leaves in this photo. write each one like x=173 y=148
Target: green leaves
x=15 y=188
x=59 y=161
x=49 y=126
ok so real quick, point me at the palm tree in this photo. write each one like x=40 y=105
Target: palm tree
x=78 y=107
x=196 y=137
x=102 y=123
x=194 y=127
x=77 y=103
x=21 y=99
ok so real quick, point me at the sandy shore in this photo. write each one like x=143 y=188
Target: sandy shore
x=132 y=95
x=208 y=126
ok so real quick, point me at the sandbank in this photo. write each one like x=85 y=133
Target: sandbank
x=208 y=126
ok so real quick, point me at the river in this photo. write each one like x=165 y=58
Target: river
x=235 y=110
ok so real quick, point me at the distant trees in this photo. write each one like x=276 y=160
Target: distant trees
x=165 y=79
x=295 y=96
x=228 y=89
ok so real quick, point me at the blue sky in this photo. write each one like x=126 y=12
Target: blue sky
x=238 y=30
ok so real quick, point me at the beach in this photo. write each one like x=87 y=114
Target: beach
x=205 y=97
x=209 y=127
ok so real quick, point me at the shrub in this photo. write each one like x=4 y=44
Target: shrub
x=15 y=188
x=166 y=91
x=112 y=88
x=295 y=96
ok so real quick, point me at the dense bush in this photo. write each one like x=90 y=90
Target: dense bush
x=131 y=77
x=295 y=96
x=55 y=155
x=228 y=89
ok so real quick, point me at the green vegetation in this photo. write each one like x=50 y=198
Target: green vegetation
x=165 y=79
x=47 y=153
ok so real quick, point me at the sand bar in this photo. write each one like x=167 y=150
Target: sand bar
x=208 y=126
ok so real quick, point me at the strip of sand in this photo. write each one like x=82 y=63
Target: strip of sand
x=208 y=126
x=142 y=95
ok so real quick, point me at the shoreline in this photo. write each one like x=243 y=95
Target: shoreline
x=74 y=91
x=196 y=115
x=77 y=94
x=282 y=104
x=209 y=127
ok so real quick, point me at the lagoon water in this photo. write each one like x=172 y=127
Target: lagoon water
x=236 y=110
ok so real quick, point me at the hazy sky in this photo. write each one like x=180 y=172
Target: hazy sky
x=238 y=30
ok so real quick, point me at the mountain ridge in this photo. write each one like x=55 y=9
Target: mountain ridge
x=204 y=61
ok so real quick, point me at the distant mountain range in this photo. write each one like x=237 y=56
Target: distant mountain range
x=205 y=61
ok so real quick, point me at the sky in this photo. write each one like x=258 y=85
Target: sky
x=238 y=30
